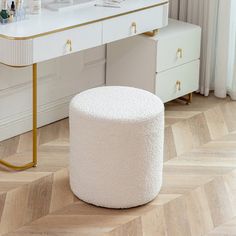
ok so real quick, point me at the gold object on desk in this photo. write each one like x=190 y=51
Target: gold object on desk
x=189 y=97
x=180 y=53
x=178 y=85
x=134 y=27
x=69 y=43
x=35 y=143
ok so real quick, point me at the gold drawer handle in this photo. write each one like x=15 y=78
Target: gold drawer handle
x=180 y=53
x=69 y=44
x=134 y=27
x=178 y=85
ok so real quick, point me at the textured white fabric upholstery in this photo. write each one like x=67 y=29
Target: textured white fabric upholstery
x=116 y=146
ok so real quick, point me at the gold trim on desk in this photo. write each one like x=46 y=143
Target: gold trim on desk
x=79 y=25
x=13 y=66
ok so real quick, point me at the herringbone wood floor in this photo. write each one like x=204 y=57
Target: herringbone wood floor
x=198 y=196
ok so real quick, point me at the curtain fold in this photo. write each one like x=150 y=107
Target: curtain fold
x=217 y=19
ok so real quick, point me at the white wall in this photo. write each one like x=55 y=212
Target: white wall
x=58 y=81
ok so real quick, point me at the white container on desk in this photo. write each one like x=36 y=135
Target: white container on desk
x=166 y=64
x=35 y=7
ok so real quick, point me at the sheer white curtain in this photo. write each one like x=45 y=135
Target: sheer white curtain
x=218 y=55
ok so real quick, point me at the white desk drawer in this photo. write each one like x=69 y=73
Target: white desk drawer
x=134 y=23
x=66 y=42
x=178 y=49
x=177 y=82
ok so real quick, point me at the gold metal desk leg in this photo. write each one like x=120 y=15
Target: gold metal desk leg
x=152 y=33
x=188 y=100
x=35 y=145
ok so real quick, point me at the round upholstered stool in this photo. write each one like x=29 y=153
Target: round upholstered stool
x=116 y=146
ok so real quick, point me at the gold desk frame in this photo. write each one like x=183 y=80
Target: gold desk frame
x=187 y=99
x=34 y=161
x=152 y=33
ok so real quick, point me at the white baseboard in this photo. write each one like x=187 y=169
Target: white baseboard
x=23 y=121
x=47 y=114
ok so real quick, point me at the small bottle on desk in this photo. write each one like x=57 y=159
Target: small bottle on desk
x=4 y=14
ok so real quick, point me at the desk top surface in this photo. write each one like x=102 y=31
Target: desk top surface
x=52 y=21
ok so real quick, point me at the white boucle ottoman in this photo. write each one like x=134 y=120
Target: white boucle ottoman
x=116 y=146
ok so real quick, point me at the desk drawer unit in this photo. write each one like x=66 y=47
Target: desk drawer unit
x=178 y=49
x=166 y=64
x=177 y=82
x=134 y=23
x=66 y=42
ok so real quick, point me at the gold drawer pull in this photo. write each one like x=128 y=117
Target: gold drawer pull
x=180 y=53
x=178 y=85
x=134 y=27
x=69 y=44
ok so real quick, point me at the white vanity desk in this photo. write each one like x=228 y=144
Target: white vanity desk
x=55 y=34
